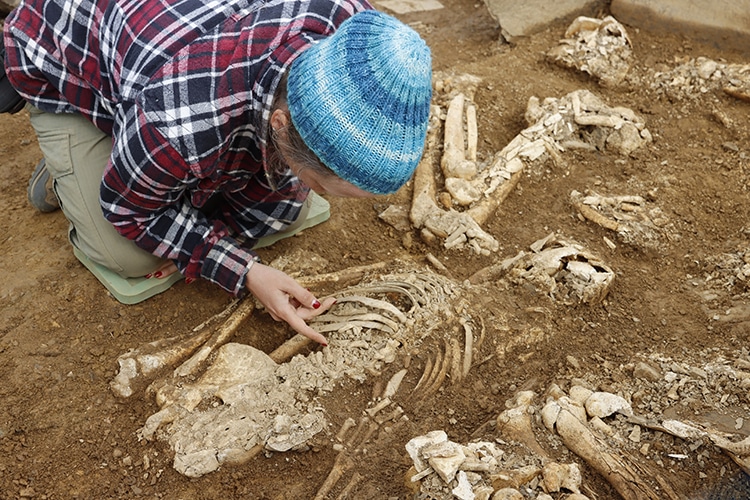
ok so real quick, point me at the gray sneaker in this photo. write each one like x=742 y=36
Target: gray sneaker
x=41 y=195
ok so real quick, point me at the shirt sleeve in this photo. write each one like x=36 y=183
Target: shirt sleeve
x=146 y=195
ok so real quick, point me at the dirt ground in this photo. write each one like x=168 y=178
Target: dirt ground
x=683 y=303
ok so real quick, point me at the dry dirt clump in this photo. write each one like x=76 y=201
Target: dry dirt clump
x=644 y=305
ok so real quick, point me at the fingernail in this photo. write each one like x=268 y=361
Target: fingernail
x=316 y=304
x=189 y=280
x=148 y=275
x=324 y=344
x=157 y=274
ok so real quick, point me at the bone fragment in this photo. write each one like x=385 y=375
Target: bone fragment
x=348 y=424
x=349 y=274
x=456 y=372
x=219 y=338
x=151 y=360
x=454 y=162
x=394 y=383
x=346 y=492
x=437 y=264
x=290 y=348
x=515 y=423
x=340 y=466
x=591 y=214
x=621 y=472
x=379 y=406
x=139 y=366
x=424 y=191
x=468 y=347
x=426 y=374
x=440 y=371
x=472 y=135
x=485 y=208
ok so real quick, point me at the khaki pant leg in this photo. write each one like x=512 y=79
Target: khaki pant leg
x=76 y=154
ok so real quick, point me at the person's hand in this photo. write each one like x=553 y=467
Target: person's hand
x=286 y=300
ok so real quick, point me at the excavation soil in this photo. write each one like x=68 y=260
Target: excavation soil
x=63 y=433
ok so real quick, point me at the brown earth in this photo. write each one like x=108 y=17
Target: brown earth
x=63 y=434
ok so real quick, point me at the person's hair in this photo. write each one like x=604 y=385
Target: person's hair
x=291 y=149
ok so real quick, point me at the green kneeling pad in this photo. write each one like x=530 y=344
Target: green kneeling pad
x=135 y=290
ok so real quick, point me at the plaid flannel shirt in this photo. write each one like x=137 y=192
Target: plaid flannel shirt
x=185 y=88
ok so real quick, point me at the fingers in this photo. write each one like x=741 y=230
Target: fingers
x=307 y=313
x=299 y=325
x=165 y=269
x=286 y=300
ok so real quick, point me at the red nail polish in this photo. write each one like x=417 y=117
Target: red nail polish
x=316 y=304
x=148 y=275
x=157 y=274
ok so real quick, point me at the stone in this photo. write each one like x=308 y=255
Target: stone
x=723 y=23
x=414 y=447
x=445 y=458
x=517 y=19
x=463 y=491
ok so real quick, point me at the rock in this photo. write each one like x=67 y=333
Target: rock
x=445 y=458
x=463 y=491
x=415 y=445
x=720 y=22
x=518 y=19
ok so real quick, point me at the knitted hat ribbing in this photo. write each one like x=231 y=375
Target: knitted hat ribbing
x=360 y=99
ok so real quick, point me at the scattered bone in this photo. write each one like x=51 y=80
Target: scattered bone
x=556 y=476
x=468 y=347
x=147 y=362
x=565 y=271
x=458 y=229
x=599 y=47
x=579 y=118
x=139 y=365
x=629 y=216
x=604 y=404
x=219 y=338
x=693 y=78
x=439 y=466
x=454 y=162
x=632 y=466
x=438 y=373
x=739 y=451
x=515 y=423
x=622 y=472
x=394 y=383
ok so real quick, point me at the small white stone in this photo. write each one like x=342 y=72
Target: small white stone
x=414 y=447
x=463 y=491
x=445 y=458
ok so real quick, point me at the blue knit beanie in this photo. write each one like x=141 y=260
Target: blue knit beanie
x=360 y=100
